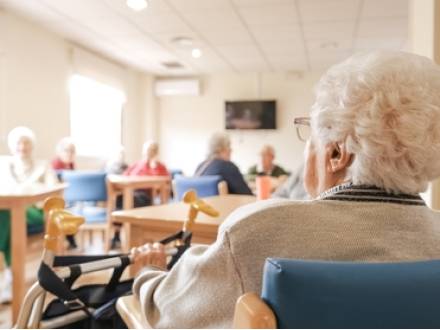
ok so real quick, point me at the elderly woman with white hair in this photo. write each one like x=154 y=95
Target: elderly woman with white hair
x=65 y=155
x=21 y=170
x=219 y=162
x=373 y=148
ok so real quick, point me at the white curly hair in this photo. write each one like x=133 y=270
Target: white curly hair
x=18 y=133
x=386 y=106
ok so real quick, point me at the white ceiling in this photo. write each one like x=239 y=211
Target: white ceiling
x=234 y=35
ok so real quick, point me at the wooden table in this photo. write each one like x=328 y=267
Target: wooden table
x=152 y=223
x=126 y=185
x=17 y=199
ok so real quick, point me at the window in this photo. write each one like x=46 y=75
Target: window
x=95 y=116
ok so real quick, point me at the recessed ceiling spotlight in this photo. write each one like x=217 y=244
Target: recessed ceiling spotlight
x=137 y=5
x=196 y=53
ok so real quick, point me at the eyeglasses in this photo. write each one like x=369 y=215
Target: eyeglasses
x=302 y=125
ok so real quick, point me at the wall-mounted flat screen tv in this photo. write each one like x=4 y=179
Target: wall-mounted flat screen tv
x=260 y=114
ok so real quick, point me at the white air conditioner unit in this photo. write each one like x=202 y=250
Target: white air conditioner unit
x=166 y=87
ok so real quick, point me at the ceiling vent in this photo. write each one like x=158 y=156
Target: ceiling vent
x=183 y=86
x=172 y=65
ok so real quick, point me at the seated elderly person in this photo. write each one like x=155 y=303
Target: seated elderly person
x=21 y=170
x=266 y=166
x=116 y=164
x=219 y=162
x=148 y=165
x=293 y=187
x=65 y=158
x=373 y=148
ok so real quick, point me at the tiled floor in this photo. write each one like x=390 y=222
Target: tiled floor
x=35 y=248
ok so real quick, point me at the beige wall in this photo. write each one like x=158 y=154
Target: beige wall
x=35 y=66
x=185 y=122
x=35 y=73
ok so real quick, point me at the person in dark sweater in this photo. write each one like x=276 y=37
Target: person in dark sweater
x=219 y=162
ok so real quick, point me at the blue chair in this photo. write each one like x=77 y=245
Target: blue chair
x=318 y=294
x=175 y=172
x=205 y=186
x=85 y=189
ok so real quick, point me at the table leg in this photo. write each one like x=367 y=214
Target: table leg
x=127 y=198
x=18 y=250
x=111 y=206
x=164 y=193
x=133 y=240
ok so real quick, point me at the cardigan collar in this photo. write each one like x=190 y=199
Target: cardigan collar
x=366 y=193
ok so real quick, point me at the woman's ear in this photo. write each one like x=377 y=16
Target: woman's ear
x=338 y=158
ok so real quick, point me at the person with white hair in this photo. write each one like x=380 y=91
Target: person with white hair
x=116 y=164
x=65 y=155
x=218 y=162
x=21 y=169
x=266 y=165
x=149 y=164
x=374 y=145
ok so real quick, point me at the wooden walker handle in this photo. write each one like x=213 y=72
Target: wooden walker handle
x=59 y=222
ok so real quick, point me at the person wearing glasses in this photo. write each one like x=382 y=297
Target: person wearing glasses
x=372 y=146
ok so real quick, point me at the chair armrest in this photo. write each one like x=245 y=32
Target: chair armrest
x=222 y=188
x=252 y=313
x=129 y=309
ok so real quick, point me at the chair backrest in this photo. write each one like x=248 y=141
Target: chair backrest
x=175 y=172
x=314 y=294
x=84 y=186
x=205 y=186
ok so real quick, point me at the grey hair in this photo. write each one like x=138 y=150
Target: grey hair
x=217 y=143
x=19 y=133
x=385 y=105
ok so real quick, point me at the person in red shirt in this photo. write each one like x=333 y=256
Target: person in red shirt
x=65 y=159
x=148 y=165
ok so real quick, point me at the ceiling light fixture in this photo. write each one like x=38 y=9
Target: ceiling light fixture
x=137 y=5
x=196 y=53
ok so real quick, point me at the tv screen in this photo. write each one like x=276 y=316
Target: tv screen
x=251 y=114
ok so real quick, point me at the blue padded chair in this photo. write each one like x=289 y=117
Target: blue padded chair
x=85 y=189
x=317 y=294
x=175 y=172
x=205 y=186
